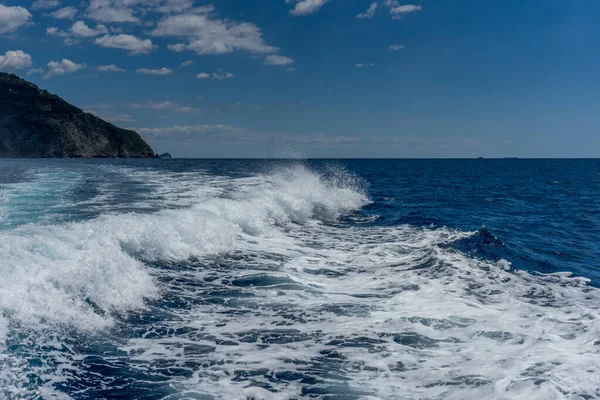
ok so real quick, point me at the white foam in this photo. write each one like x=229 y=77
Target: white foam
x=81 y=273
x=407 y=316
x=3 y=328
x=458 y=327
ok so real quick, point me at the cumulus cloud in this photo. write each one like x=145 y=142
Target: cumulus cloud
x=112 y=11
x=408 y=8
x=126 y=42
x=150 y=71
x=34 y=71
x=180 y=6
x=305 y=7
x=187 y=63
x=369 y=13
x=217 y=76
x=12 y=18
x=275 y=59
x=121 y=11
x=362 y=65
x=178 y=47
x=14 y=60
x=62 y=67
x=65 y=13
x=110 y=68
x=397 y=10
x=45 y=4
x=396 y=47
x=212 y=36
x=53 y=31
x=80 y=29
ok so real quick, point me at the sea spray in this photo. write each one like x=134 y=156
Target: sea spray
x=189 y=282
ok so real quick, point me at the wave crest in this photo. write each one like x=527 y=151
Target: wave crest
x=82 y=273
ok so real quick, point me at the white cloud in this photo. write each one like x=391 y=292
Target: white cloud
x=362 y=65
x=14 y=60
x=149 y=71
x=45 y=4
x=180 y=6
x=175 y=6
x=405 y=9
x=80 y=29
x=399 y=10
x=34 y=71
x=53 y=31
x=275 y=59
x=126 y=42
x=396 y=47
x=178 y=47
x=12 y=18
x=77 y=31
x=212 y=36
x=110 y=68
x=305 y=7
x=187 y=63
x=65 y=13
x=121 y=11
x=217 y=76
x=112 y=10
x=62 y=67
x=369 y=13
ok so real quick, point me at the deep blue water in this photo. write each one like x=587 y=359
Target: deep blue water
x=337 y=279
x=542 y=215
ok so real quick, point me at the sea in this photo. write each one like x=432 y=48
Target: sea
x=300 y=279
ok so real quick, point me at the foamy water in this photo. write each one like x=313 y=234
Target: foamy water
x=251 y=287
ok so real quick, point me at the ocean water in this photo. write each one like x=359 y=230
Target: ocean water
x=323 y=279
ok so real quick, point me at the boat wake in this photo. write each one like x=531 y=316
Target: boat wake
x=258 y=289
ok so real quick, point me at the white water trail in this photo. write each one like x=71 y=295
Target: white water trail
x=388 y=313
x=81 y=274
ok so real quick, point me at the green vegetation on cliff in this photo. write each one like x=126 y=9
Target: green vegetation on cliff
x=36 y=123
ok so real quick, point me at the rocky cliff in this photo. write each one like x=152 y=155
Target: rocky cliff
x=36 y=123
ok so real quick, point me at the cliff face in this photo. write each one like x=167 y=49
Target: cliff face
x=36 y=123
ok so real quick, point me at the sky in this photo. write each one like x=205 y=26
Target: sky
x=322 y=78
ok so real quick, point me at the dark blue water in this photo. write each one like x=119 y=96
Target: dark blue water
x=542 y=215
x=281 y=279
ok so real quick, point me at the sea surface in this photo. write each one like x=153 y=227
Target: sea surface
x=289 y=279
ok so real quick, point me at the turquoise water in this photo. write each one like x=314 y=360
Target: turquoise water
x=328 y=279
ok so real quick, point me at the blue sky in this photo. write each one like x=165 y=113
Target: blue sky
x=322 y=78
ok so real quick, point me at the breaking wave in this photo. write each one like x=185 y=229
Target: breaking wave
x=258 y=291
